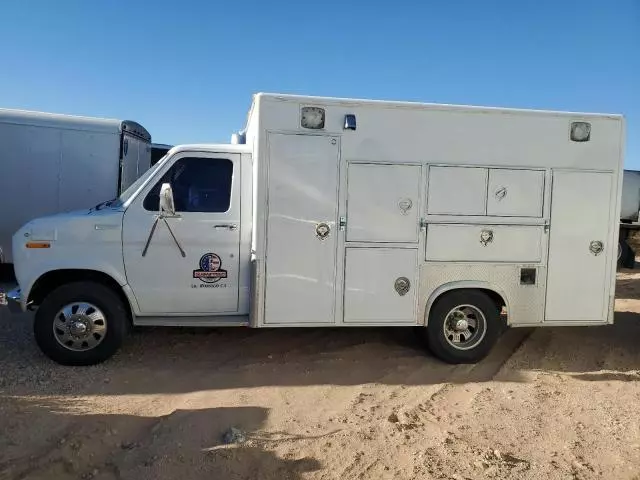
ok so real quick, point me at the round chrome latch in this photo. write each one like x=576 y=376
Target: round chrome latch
x=402 y=285
x=405 y=205
x=596 y=247
x=486 y=237
x=322 y=231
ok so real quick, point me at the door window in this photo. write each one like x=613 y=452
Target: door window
x=198 y=184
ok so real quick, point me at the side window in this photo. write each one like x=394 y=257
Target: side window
x=198 y=184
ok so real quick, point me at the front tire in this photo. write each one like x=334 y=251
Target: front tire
x=463 y=326
x=80 y=323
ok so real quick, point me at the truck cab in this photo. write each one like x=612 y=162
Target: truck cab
x=132 y=249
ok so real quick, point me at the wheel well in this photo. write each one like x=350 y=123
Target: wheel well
x=500 y=302
x=51 y=280
x=495 y=296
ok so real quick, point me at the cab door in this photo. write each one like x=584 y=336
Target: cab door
x=197 y=271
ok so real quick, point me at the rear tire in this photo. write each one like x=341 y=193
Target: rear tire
x=626 y=256
x=463 y=326
x=81 y=323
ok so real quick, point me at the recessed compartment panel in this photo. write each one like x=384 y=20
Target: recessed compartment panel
x=579 y=251
x=457 y=191
x=515 y=193
x=301 y=229
x=380 y=285
x=484 y=243
x=383 y=203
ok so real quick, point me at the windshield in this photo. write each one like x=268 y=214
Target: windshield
x=133 y=188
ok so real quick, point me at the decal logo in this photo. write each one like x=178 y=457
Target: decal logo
x=210 y=270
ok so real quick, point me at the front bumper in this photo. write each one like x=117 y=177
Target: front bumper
x=12 y=299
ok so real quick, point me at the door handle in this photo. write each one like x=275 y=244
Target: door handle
x=228 y=226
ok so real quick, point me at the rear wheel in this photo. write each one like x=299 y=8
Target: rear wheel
x=626 y=256
x=80 y=323
x=463 y=326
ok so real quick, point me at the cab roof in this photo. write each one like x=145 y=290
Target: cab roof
x=211 y=148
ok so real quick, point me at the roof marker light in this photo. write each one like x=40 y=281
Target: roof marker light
x=580 y=131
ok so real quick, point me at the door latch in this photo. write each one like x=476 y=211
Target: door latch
x=342 y=223
x=230 y=226
x=322 y=230
x=596 y=247
x=501 y=192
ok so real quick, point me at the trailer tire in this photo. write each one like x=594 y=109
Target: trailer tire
x=81 y=323
x=463 y=326
x=626 y=256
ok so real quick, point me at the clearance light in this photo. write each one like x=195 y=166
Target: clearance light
x=580 y=131
x=38 y=245
x=312 y=118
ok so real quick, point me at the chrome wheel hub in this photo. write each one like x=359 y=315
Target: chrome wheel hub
x=79 y=326
x=461 y=325
x=464 y=327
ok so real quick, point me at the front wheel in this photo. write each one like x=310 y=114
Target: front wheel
x=80 y=323
x=463 y=326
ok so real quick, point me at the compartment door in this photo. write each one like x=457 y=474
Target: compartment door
x=380 y=285
x=484 y=243
x=383 y=203
x=301 y=229
x=578 y=284
x=457 y=191
x=515 y=193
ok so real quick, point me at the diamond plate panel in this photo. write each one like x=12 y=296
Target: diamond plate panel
x=525 y=302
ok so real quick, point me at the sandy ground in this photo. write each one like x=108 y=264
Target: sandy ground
x=327 y=404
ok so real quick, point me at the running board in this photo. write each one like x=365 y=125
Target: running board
x=205 y=321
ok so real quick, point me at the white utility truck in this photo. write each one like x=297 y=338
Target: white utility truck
x=337 y=212
x=53 y=163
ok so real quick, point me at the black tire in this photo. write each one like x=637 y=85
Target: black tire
x=116 y=321
x=480 y=343
x=626 y=256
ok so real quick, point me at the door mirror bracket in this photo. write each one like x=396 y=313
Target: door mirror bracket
x=166 y=209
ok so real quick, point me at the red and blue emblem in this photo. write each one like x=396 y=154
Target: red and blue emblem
x=210 y=270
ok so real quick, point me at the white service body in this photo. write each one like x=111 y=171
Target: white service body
x=54 y=163
x=343 y=227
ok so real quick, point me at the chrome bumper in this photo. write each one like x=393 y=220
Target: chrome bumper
x=12 y=299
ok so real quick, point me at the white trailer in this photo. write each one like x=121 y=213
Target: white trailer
x=53 y=163
x=341 y=212
x=629 y=211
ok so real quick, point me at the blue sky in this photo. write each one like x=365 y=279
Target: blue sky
x=186 y=70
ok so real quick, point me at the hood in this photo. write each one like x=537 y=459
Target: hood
x=53 y=227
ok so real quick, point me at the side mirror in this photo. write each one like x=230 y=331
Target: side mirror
x=167 y=207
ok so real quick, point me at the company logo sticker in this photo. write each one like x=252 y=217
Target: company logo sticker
x=210 y=270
